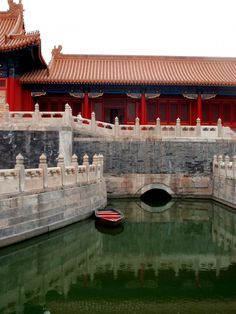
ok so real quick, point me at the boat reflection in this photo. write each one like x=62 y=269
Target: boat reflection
x=109 y=230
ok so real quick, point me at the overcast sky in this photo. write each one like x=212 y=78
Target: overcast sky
x=139 y=27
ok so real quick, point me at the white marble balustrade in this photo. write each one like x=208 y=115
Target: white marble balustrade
x=43 y=178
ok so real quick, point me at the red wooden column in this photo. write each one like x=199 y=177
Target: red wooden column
x=191 y=113
x=143 y=110
x=11 y=93
x=86 y=110
x=14 y=94
x=199 y=107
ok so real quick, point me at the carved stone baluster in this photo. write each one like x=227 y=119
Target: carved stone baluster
x=21 y=168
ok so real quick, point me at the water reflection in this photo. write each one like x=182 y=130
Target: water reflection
x=157 y=209
x=179 y=260
x=109 y=230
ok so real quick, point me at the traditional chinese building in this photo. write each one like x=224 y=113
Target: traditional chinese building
x=147 y=87
x=20 y=52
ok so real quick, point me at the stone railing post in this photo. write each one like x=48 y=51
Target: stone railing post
x=74 y=163
x=79 y=120
x=96 y=163
x=95 y=159
x=116 y=127
x=215 y=160
x=61 y=164
x=65 y=144
x=158 y=127
x=220 y=161
x=178 y=128
x=44 y=166
x=36 y=114
x=6 y=114
x=198 y=128
x=93 y=122
x=226 y=165
x=219 y=128
x=137 y=128
x=234 y=167
x=21 y=168
x=215 y=166
x=68 y=116
x=101 y=162
x=86 y=164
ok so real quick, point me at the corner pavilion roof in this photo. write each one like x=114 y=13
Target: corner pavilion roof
x=12 y=29
x=142 y=70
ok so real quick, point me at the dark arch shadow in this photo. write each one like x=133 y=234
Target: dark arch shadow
x=156 y=197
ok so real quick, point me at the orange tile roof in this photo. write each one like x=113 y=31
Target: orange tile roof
x=12 y=29
x=143 y=70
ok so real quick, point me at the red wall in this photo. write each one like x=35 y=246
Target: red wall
x=18 y=98
x=27 y=100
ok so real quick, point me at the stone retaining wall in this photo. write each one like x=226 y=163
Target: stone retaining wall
x=184 y=166
x=224 y=180
x=25 y=216
x=172 y=156
x=31 y=144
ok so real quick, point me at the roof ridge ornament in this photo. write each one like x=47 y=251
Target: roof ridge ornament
x=56 y=51
x=15 y=7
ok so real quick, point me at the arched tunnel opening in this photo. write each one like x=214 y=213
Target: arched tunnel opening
x=156 y=197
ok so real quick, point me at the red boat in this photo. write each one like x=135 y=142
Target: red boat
x=109 y=217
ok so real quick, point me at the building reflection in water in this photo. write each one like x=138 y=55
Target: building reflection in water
x=187 y=249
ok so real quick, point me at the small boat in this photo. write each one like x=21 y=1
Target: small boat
x=109 y=216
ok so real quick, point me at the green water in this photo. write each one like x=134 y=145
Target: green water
x=175 y=259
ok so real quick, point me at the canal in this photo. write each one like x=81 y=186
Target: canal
x=179 y=258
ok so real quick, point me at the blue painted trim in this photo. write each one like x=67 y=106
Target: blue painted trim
x=123 y=89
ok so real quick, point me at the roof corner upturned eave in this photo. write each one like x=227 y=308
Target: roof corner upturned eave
x=13 y=36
